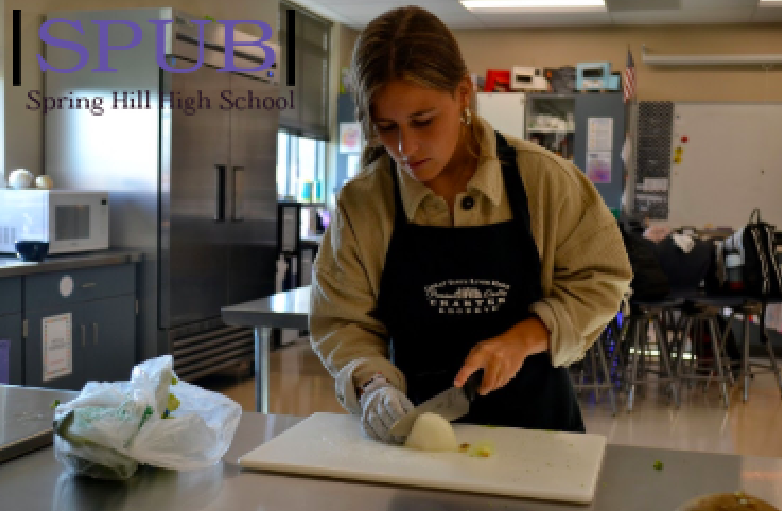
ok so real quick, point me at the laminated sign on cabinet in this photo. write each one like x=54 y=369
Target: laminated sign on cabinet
x=57 y=346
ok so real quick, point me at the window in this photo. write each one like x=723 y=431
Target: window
x=301 y=163
x=309 y=117
x=301 y=141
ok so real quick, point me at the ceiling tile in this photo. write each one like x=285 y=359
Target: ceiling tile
x=321 y=8
x=473 y=25
x=711 y=15
x=359 y=12
x=708 y=4
x=356 y=13
x=387 y=3
x=642 y=5
x=456 y=16
x=439 y=6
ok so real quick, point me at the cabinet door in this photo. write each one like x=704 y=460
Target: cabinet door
x=11 y=349
x=69 y=344
x=252 y=194
x=111 y=338
x=10 y=295
x=193 y=254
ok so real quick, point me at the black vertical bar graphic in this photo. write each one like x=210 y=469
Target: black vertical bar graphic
x=290 y=50
x=17 y=50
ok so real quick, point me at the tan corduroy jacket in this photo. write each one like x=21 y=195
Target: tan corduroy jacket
x=585 y=270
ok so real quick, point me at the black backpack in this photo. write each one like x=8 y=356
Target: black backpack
x=755 y=242
x=649 y=280
x=686 y=270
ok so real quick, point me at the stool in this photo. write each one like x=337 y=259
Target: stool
x=693 y=316
x=635 y=326
x=594 y=353
x=753 y=306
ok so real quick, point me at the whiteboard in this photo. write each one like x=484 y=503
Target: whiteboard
x=504 y=111
x=730 y=164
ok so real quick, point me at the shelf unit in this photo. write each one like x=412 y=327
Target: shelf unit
x=558 y=108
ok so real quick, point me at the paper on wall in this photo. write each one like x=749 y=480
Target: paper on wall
x=599 y=166
x=57 y=346
x=600 y=134
x=350 y=137
x=656 y=184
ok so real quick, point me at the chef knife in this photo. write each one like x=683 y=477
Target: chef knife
x=450 y=404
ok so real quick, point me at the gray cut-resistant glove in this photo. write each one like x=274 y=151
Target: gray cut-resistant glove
x=382 y=405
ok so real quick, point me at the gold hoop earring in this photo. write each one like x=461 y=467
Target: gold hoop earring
x=466 y=116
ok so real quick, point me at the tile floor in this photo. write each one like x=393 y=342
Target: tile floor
x=300 y=386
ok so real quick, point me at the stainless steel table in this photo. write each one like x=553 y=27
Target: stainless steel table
x=26 y=418
x=290 y=309
x=627 y=482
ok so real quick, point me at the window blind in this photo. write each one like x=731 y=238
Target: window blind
x=309 y=115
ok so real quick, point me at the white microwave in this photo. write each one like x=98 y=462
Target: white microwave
x=69 y=220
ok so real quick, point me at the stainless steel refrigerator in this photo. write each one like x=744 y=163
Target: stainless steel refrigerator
x=192 y=182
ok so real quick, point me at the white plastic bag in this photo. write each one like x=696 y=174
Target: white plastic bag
x=112 y=427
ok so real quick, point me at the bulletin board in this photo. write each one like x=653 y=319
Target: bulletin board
x=726 y=160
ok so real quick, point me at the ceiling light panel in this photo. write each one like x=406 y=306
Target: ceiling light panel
x=535 y=5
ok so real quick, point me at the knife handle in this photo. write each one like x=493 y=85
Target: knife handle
x=472 y=384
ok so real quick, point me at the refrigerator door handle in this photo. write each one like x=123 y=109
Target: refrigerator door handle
x=237 y=192
x=219 y=193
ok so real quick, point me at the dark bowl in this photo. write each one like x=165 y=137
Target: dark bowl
x=32 y=251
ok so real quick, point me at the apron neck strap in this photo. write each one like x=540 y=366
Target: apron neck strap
x=514 y=186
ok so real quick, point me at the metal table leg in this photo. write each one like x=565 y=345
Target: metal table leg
x=262 y=341
x=745 y=356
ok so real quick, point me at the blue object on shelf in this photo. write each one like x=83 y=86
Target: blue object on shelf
x=594 y=76
x=32 y=251
x=614 y=82
x=306 y=191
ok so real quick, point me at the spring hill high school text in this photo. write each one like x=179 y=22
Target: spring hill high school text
x=146 y=99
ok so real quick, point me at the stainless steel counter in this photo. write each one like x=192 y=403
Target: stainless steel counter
x=627 y=482
x=290 y=309
x=26 y=416
x=10 y=266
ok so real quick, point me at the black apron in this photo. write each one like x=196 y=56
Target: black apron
x=445 y=289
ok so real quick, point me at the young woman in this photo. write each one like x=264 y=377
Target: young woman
x=456 y=249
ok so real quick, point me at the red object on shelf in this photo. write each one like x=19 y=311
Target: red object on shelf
x=497 y=80
x=684 y=140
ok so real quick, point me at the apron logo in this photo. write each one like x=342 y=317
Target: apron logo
x=467 y=296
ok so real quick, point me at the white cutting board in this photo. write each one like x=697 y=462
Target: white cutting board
x=525 y=463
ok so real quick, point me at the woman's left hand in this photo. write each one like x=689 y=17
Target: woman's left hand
x=501 y=357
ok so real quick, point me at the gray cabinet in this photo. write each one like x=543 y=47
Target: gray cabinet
x=110 y=349
x=101 y=303
x=11 y=349
x=561 y=123
x=607 y=105
x=11 y=331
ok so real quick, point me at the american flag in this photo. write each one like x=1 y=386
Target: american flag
x=629 y=84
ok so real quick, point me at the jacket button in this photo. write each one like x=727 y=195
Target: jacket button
x=468 y=202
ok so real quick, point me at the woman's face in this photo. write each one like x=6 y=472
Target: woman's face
x=419 y=127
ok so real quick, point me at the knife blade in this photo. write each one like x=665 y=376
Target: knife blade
x=450 y=404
